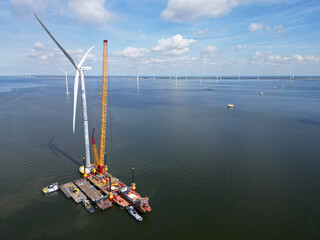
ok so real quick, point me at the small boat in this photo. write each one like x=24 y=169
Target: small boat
x=274 y=88
x=230 y=105
x=134 y=213
x=51 y=188
x=87 y=205
x=208 y=89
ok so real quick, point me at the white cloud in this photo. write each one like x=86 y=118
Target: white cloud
x=184 y=59
x=239 y=47
x=53 y=56
x=279 y=29
x=269 y=57
x=257 y=54
x=175 y=45
x=28 y=7
x=253 y=27
x=297 y=57
x=200 y=33
x=38 y=46
x=186 y=10
x=274 y=58
x=131 y=52
x=90 y=12
x=208 y=54
x=209 y=51
x=312 y=59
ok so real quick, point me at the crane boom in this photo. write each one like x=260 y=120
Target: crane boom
x=103 y=107
x=95 y=151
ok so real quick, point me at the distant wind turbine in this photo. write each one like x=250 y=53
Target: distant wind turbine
x=138 y=81
x=176 y=80
x=66 y=74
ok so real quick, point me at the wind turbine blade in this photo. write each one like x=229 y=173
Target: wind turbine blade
x=62 y=69
x=135 y=70
x=61 y=48
x=75 y=95
x=84 y=57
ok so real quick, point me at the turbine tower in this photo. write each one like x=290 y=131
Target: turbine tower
x=176 y=80
x=138 y=82
x=79 y=71
x=66 y=74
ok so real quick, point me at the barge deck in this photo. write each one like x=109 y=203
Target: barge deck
x=71 y=191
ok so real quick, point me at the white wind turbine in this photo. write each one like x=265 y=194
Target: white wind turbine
x=66 y=74
x=138 y=82
x=79 y=71
x=176 y=80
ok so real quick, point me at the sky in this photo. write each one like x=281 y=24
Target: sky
x=163 y=37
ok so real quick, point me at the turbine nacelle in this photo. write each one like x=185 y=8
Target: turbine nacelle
x=79 y=70
x=85 y=68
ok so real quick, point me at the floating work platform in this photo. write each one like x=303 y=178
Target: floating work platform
x=99 y=188
x=101 y=183
x=89 y=190
x=71 y=191
x=104 y=203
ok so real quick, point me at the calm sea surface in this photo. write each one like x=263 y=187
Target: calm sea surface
x=252 y=172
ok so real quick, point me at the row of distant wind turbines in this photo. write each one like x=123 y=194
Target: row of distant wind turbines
x=186 y=77
x=154 y=77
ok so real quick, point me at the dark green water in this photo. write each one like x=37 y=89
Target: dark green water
x=251 y=172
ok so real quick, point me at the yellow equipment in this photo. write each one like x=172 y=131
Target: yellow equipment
x=100 y=161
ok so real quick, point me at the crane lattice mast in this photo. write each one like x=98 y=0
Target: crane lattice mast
x=103 y=108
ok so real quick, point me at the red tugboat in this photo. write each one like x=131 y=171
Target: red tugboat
x=141 y=204
x=130 y=195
